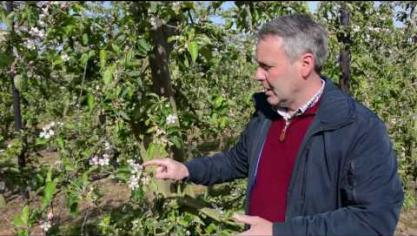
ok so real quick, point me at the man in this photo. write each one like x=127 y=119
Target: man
x=317 y=162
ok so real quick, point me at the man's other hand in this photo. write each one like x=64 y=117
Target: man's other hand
x=168 y=169
x=258 y=225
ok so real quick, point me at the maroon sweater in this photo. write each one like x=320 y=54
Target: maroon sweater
x=269 y=194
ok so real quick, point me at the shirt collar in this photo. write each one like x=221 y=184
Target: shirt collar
x=283 y=111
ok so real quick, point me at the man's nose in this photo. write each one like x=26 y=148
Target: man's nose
x=259 y=74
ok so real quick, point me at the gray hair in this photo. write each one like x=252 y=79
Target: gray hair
x=300 y=35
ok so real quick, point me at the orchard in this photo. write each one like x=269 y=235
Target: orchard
x=91 y=90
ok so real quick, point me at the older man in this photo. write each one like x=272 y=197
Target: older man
x=317 y=162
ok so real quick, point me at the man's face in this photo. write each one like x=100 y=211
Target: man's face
x=276 y=72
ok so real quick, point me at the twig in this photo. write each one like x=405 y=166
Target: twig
x=84 y=222
x=82 y=85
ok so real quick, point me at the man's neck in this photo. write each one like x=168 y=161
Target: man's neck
x=310 y=90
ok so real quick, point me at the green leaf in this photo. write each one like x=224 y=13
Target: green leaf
x=61 y=143
x=90 y=101
x=18 y=82
x=85 y=39
x=84 y=58
x=108 y=75
x=123 y=115
x=123 y=173
x=193 y=50
x=72 y=202
x=137 y=194
x=116 y=48
x=49 y=175
x=103 y=58
x=155 y=151
x=143 y=47
x=48 y=194
x=17 y=221
x=23 y=218
x=4 y=59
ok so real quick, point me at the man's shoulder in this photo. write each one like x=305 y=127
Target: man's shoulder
x=345 y=105
x=366 y=115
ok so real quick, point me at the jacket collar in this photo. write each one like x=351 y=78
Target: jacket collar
x=336 y=108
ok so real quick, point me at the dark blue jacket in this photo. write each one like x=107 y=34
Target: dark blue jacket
x=345 y=179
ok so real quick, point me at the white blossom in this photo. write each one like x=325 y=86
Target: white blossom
x=171 y=119
x=35 y=32
x=176 y=4
x=41 y=3
x=355 y=28
x=104 y=161
x=136 y=168
x=50 y=215
x=15 y=53
x=45 y=12
x=45 y=226
x=133 y=182
x=153 y=22
x=145 y=180
x=375 y=29
x=30 y=44
x=42 y=23
x=65 y=57
x=100 y=161
x=46 y=134
x=136 y=175
x=107 y=146
x=47 y=130
x=94 y=160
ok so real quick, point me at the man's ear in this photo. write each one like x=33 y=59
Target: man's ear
x=307 y=61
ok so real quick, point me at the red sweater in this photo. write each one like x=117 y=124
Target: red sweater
x=269 y=194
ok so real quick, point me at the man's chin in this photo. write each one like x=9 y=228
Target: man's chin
x=272 y=100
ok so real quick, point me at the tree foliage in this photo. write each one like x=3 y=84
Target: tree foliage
x=109 y=85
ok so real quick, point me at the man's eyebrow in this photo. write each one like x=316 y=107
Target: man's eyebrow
x=262 y=64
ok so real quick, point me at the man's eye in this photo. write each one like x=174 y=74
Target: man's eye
x=265 y=67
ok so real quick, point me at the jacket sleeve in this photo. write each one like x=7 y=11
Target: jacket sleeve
x=224 y=166
x=373 y=190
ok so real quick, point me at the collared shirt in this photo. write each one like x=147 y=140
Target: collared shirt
x=313 y=100
x=287 y=116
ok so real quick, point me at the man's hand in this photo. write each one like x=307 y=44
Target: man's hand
x=258 y=225
x=168 y=169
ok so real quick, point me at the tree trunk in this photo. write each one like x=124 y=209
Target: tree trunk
x=159 y=63
x=161 y=77
x=16 y=101
x=344 y=39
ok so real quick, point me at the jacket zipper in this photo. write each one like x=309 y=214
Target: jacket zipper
x=284 y=131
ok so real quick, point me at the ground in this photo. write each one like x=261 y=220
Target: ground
x=114 y=195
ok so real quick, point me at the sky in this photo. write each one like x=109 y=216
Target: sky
x=311 y=4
